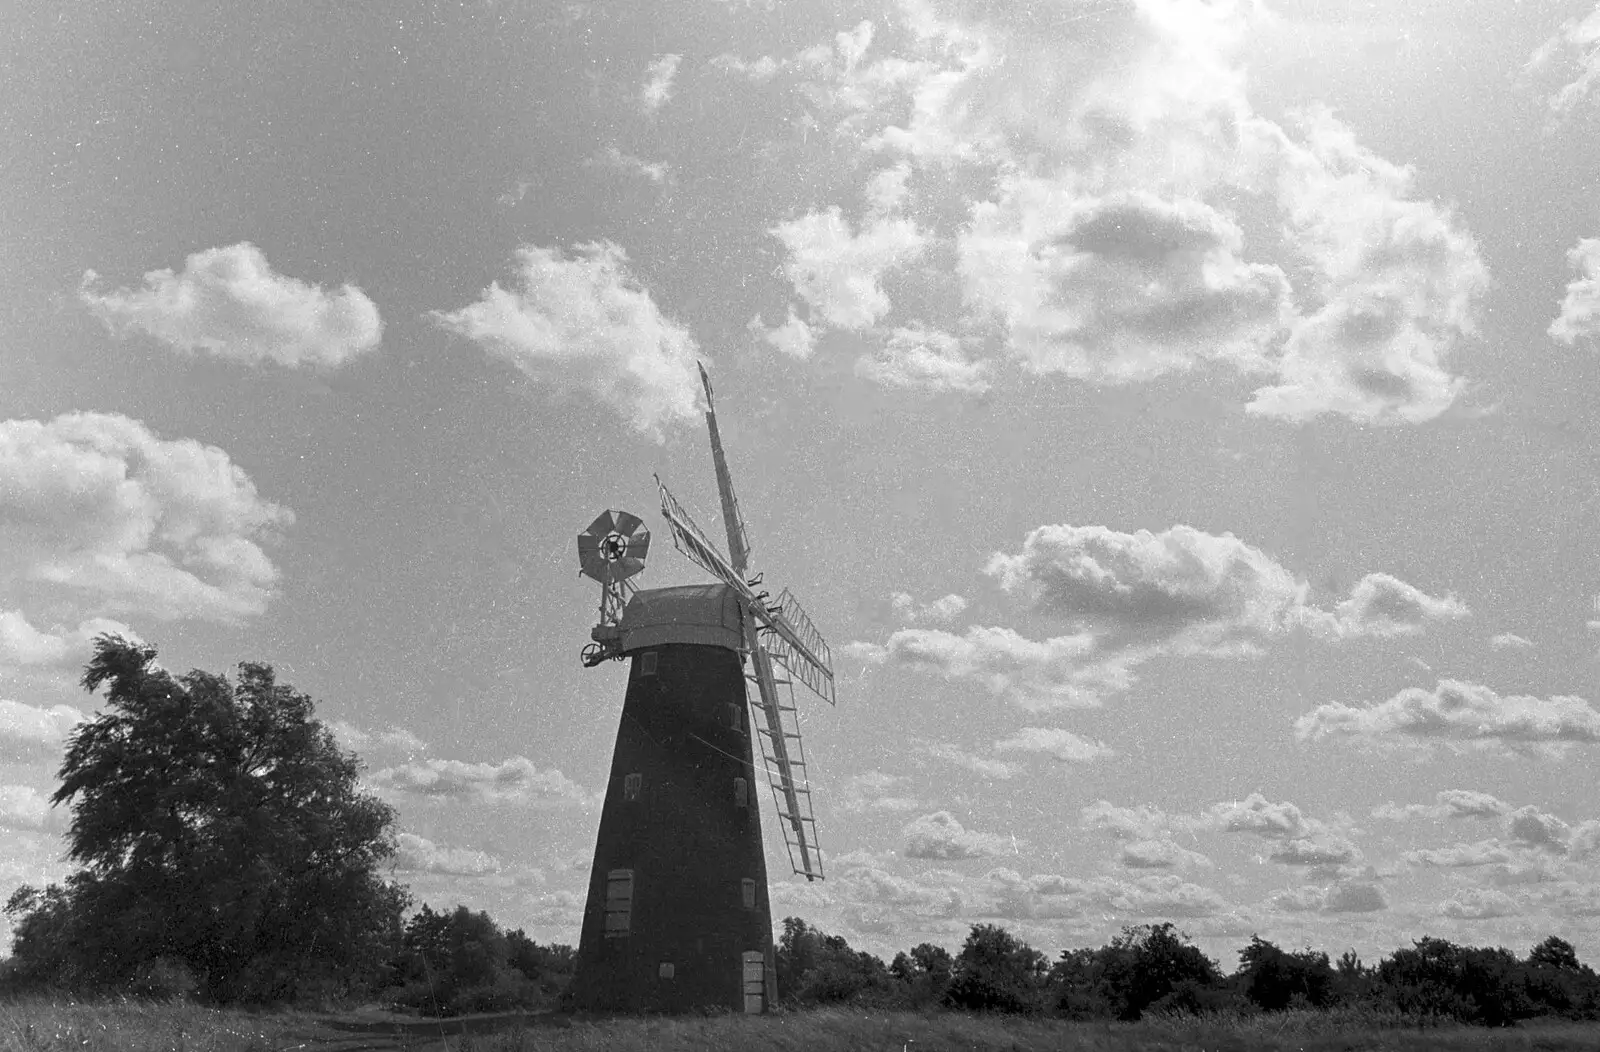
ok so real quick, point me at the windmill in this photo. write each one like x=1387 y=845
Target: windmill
x=677 y=916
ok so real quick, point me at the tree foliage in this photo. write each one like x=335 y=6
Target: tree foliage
x=817 y=968
x=221 y=832
x=458 y=962
x=997 y=972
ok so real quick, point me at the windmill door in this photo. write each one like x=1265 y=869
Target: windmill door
x=755 y=981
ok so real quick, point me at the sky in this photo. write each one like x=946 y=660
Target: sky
x=1177 y=415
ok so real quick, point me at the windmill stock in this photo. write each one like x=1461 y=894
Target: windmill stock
x=678 y=916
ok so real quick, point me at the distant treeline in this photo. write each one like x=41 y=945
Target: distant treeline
x=1154 y=968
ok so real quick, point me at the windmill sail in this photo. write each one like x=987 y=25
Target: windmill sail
x=798 y=653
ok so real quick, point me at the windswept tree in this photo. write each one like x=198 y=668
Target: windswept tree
x=220 y=828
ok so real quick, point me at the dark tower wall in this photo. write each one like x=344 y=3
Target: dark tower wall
x=690 y=836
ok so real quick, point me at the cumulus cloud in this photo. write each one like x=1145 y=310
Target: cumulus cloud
x=230 y=303
x=1452 y=803
x=1575 y=47
x=1049 y=896
x=1459 y=715
x=1199 y=591
x=1538 y=829
x=1381 y=605
x=1343 y=897
x=839 y=272
x=1117 y=288
x=103 y=515
x=1584 y=843
x=23 y=807
x=581 y=323
x=392 y=740
x=1510 y=641
x=938 y=611
x=657 y=87
x=1256 y=814
x=1141 y=822
x=419 y=855
x=875 y=791
x=1054 y=742
x=1035 y=674
x=793 y=338
x=940 y=836
x=516 y=780
x=22 y=644
x=1323 y=850
x=1159 y=854
x=1479 y=904
x=982 y=766
x=1397 y=283
x=1580 y=310
x=918 y=358
x=32 y=734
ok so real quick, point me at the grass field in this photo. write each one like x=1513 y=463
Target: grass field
x=44 y=1026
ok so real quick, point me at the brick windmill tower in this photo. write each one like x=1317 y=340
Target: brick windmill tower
x=677 y=917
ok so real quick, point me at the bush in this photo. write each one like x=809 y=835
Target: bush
x=817 y=968
x=1274 y=979
x=1146 y=963
x=997 y=972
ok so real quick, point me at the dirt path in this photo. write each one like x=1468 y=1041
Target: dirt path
x=374 y=1030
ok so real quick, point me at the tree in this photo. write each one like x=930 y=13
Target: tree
x=219 y=826
x=997 y=972
x=1274 y=979
x=1148 y=962
x=817 y=968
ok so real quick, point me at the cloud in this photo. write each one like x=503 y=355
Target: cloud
x=1120 y=287
x=978 y=765
x=104 y=516
x=516 y=780
x=1538 y=829
x=1343 y=897
x=1321 y=850
x=23 y=644
x=1452 y=803
x=1580 y=310
x=658 y=82
x=393 y=740
x=1463 y=856
x=1479 y=904
x=583 y=324
x=1510 y=641
x=1256 y=814
x=1159 y=854
x=1381 y=606
x=656 y=172
x=875 y=791
x=1034 y=674
x=940 y=836
x=1584 y=843
x=1458 y=715
x=30 y=734
x=922 y=359
x=759 y=70
x=939 y=611
x=228 y=302
x=1054 y=742
x=1196 y=591
x=1577 y=46
x=839 y=272
x=23 y=807
x=1142 y=822
x=1048 y=896
x=1397 y=281
x=419 y=855
x=1144 y=220
x=793 y=338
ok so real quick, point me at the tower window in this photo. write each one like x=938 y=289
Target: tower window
x=666 y=970
x=733 y=717
x=647 y=663
x=619 y=902
x=741 y=793
x=747 y=890
x=630 y=786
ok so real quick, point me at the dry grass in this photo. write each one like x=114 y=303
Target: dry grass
x=45 y=1026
